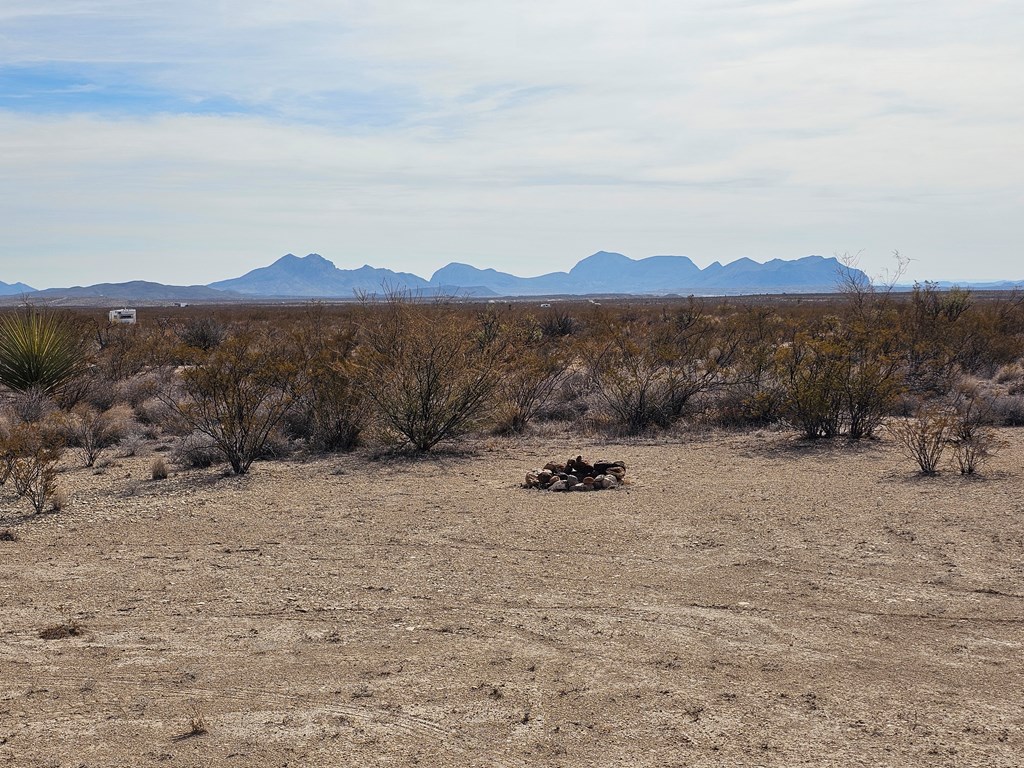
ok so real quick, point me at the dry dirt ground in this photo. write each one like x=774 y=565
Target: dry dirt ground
x=751 y=600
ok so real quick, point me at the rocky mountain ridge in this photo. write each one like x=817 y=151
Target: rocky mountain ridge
x=601 y=273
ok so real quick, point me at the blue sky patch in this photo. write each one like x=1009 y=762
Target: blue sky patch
x=58 y=89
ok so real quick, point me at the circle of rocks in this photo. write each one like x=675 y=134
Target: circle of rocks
x=577 y=475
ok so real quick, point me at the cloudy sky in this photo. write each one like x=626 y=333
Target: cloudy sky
x=190 y=141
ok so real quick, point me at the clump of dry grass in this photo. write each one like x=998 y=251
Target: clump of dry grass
x=62 y=630
x=195 y=722
x=58 y=501
x=158 y=469
x=1011 y=374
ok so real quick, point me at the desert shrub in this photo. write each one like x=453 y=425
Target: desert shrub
x=739 y=407
x=328 y=408
x=557 y=323
x=39 y=351
x=29 y=454
x=130 y=443
x=649 y=370
x=971 y=436
x=156 y=412
x=755 y=395
x=91 y=431
x=138 y=389
x=91 y=387
x=30 y=407
x=1011 y=376
x=238 y=395
x=937 y=333
x=871 y=380
x=1007 y=410
x=570 y=399
x=533 y=374
x=204 y=333
x=122 y=349
x=924 y=436
x=842 y=376
x=993 y=335
x=196 y=450
x=701 y=350
x=812 y=369
x=492 y=323
x=634 y=382
x=425 y=372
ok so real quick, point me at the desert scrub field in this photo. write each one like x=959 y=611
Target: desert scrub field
x=261 y=381
x=297 y=535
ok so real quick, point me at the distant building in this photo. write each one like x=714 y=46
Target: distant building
x=123 y=316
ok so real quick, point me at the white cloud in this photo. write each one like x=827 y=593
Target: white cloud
x=519 y=135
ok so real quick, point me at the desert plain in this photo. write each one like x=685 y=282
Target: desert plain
x=749 y=600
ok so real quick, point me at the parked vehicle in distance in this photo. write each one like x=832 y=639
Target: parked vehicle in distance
x=124 y=316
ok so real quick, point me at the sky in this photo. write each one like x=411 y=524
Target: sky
x=187 y=142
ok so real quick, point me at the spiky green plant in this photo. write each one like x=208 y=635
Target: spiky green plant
x=39 y=351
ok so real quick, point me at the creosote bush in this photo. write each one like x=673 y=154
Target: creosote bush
x=425 y=372
x=29 y=454
x=196 y=450
x=648 y=371
x=328 y=408
x=971 y=436
x=534 y=371
x=92 y=432
x=924 y=436
x=238 y=394
x=203 y=333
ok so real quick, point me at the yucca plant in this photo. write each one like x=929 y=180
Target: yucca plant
x=39 y=351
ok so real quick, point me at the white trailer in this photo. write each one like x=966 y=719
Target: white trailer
x=123 y=316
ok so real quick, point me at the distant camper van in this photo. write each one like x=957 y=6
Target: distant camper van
x=126 y=316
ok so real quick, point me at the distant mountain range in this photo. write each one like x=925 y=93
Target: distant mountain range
x=133 y=291
x=603 y=273
x=15 y=289
x=313 y=275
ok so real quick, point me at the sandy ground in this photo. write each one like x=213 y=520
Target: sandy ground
x=751 y=600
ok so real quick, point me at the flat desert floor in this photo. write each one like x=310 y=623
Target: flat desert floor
x=751 y=600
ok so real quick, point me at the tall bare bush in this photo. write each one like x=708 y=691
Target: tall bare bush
x=534 y=370
x=29 y=454
x=239 y=394
x=924 y=436
x=329 y=408
x=649 y=370
x=971 y=436
x=425 y=372
x=92 y=431
x=812 y=371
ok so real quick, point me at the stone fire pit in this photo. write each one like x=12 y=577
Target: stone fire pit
x=577 y=475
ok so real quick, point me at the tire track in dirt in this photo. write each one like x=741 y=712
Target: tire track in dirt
x=273 y=701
